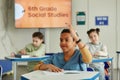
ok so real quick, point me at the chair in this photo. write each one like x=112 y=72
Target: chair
x=6 y=68
x=106 y=67
x=1 y=72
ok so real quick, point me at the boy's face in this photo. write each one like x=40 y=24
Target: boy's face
x=66 y=42
x=37 y=41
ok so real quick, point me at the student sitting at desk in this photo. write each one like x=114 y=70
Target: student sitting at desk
x=35 y=49
x=71 y=58
x=98 y=50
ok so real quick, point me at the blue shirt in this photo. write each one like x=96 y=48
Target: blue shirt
x=75 y=62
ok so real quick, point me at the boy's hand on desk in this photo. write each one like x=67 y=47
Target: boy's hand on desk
x=53 y=68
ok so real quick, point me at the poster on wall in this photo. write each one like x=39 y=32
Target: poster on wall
x=80 y=18
x=42 y=13
x=101 y=20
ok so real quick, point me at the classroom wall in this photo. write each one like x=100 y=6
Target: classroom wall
x=2 y=23
x=11 y=38
x=108 y=33
x=118 y=24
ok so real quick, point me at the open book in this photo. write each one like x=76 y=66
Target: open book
x=61 y=73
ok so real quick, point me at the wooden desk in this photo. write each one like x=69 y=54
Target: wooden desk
x=15 y=60
x=40 y=75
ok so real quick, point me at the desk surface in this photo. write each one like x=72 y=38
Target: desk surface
x=102 y=60
x=26 y=59
x=41 y=75
x=45 y=57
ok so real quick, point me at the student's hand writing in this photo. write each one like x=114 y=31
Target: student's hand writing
x=12 y=54
x=22 y=51
x=53 y=68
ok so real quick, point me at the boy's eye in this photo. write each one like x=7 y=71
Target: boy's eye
x=35 y=41
x=66 y=40
x=61 y=40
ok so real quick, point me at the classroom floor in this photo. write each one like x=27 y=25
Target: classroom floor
x=22 y=70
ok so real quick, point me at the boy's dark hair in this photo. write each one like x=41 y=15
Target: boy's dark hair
x=38 y=34
x=65 y=31
x=97 y=30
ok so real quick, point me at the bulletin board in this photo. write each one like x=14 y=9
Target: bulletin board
x=42 y=13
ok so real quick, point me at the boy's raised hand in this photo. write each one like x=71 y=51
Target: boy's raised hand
x=73 y=32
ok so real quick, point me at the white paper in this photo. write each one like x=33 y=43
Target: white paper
x=61 y=73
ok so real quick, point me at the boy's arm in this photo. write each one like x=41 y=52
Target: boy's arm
x=86 y=55
x=50 y=67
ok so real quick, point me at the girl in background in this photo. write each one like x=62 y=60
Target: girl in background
x=34 y=49
x=98 y=50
